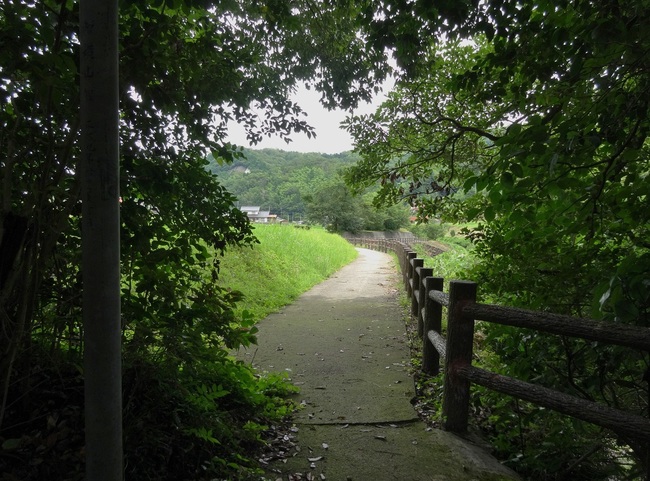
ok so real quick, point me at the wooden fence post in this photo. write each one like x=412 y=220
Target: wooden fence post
x=432 y=322
x=399 y=251
x=408 y=271
x=422 y=295
x=460 y=336
x=416 y=265
x=404 y=264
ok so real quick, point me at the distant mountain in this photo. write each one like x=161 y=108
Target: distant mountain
x=276 y=179
x=270 y=160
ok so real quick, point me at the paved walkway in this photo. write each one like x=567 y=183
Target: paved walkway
x=344 y=344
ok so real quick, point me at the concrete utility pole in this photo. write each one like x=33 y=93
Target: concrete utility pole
x=101 y=239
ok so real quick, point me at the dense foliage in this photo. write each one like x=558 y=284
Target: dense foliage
x=186 y=68
x=532 y=118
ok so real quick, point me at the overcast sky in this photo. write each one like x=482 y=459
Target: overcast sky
x=330 y=138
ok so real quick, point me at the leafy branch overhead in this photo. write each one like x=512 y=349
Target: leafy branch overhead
x=540 y=109
x=530 y=119
x=187 y=68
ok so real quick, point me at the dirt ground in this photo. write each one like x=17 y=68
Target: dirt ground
x=343 y=343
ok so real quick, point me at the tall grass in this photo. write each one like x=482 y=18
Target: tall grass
x=454 y=263
x=287 y=262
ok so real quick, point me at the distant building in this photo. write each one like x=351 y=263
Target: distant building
x=255 y=214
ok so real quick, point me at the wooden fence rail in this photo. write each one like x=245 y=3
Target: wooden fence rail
x=427 y=300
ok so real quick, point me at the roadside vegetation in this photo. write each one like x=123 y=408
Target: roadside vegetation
x=535 y=442
x=191 y=413
x=457 y=261
x=287 y=262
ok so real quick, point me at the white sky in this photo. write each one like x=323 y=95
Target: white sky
x=330 y=138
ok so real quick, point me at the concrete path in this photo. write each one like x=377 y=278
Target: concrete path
x=344 y=344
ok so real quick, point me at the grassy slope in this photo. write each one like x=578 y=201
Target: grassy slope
x=452 y=264
x=287 y=262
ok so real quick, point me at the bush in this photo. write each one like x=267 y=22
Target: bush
x=432 y=230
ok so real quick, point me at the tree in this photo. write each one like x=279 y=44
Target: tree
x=425 y=137
x=535 y=132
x=333 y=206
x=379 y=217
x=537 y=113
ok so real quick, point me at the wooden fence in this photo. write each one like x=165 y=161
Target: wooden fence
x=390 y=244
x=427 y=300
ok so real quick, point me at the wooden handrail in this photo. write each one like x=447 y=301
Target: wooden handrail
x=427 y=299
x=608 y=332
x=439 y=342
x=440 y=297
x=626 y=424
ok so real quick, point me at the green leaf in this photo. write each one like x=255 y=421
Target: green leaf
x=507 y=180
x=517 y=170
x=470 y=183
x=489 y=214
x=11 y=443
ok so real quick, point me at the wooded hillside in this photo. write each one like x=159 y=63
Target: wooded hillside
x=278 y=179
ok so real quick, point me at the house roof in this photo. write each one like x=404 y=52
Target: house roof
x=250 y=208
